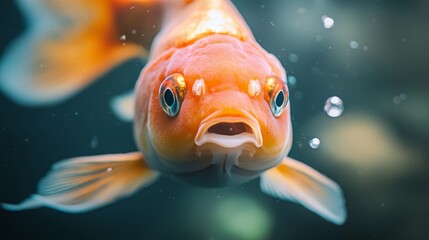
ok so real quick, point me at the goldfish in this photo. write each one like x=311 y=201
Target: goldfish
x=211 y=106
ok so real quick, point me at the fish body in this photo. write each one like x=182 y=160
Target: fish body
x=211 y=108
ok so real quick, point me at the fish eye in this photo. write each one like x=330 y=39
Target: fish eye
x=171 y=94
x=280 y=98
x=169 y=98
x=276 y=94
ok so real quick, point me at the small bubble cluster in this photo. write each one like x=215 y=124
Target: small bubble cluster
x=400 y=98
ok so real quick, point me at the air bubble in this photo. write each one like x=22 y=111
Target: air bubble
x=291 y=80
x=334 y=106
x=314 y=143
x=328 y=22
x=354 y=44
x=94 y=142
x=293 y=58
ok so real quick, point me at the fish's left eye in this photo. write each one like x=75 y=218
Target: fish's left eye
x=276 y=94
x=171 y=94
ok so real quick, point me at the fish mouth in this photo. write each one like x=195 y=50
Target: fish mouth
x=229 y=131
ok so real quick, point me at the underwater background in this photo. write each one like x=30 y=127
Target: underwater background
x=373 y=54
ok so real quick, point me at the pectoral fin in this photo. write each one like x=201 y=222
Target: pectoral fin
x=86 y=183
x=297 y=182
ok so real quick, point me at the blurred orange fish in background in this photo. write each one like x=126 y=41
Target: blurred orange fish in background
x=211 y=107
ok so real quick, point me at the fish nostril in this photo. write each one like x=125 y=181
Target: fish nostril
x=230 y=129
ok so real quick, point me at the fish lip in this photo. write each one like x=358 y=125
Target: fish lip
x=229 y=141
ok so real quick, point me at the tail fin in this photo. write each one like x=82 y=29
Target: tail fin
x=67 y=45
x=86 y=183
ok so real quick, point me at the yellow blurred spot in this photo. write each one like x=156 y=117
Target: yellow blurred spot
x=364 y=142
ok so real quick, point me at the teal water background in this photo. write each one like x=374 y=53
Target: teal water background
x=375 y=58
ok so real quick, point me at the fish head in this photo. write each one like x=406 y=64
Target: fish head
x=218 y=113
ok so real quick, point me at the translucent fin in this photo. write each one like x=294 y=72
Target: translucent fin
x=295 y=181
x=67 y=45
x=86 y=183
x=123 y=106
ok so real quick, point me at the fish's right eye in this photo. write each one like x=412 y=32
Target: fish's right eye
x=171 y=94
